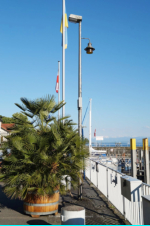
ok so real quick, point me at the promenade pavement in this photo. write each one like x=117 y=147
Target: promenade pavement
x=98 y=210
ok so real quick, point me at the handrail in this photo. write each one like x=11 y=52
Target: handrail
x=146 y=184
x=107 y=167
x=110 y=185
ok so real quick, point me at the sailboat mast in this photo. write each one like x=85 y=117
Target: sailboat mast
x=90 y=128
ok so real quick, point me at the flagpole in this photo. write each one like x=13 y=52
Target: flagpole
x=59 y=88
x=90 y=128
x=63 y=61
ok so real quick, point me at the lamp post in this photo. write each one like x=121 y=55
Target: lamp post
x=89 y=49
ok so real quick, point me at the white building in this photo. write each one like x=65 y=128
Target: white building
x=4 y=130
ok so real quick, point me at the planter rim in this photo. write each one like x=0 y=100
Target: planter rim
x=30 y=192
x=41 y=204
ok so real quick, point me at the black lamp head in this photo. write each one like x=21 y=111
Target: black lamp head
x=89 y=49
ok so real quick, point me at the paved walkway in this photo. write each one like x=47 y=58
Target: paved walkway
x=98 y=210
x=11 y=213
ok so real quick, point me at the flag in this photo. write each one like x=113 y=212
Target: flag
x=95 y=133
x=57 y=84
x=66 y=26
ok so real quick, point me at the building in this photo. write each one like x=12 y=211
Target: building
x=4 y=130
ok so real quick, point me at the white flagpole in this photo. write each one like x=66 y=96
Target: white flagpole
x=59 y=88
x=90 y=146
x=63 y=62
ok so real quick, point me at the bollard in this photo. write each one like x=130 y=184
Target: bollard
x=73 y=215
x=146 y=160
x=133 y=157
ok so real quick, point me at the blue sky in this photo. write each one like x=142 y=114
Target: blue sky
x=116 y=76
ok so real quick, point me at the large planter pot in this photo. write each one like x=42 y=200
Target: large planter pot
x=41 y=205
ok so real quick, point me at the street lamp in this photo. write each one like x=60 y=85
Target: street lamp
x=78 y=19
x=89 y=50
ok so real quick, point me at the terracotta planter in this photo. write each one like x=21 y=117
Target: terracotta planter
x=41 y=205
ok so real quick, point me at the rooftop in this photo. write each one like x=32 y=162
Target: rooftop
x=7 y=126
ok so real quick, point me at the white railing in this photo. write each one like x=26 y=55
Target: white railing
x=146 y=189
x=108 y=181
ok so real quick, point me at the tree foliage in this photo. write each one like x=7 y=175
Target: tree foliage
x=5 y=119
x=86 y=140
x=42 y=150
x=12 y=119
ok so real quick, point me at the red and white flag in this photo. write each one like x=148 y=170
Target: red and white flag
x=57 y=83
x=95 y=133
x=57 y=88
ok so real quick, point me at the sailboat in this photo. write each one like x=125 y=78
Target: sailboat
x=92 y=151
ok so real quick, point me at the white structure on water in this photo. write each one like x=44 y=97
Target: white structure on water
x=92 y=151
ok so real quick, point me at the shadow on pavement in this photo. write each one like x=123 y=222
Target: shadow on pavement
x=92 y=209
x=14 y=204
x=37 y=222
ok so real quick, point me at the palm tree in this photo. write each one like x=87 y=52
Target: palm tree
x=42 y=151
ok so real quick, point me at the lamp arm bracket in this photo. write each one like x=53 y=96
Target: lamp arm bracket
x=86 y=38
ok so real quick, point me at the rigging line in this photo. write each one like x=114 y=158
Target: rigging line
x=85 y=123
x=85 y=113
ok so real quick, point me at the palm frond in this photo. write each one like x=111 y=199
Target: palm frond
x=21 y=107
x=28 y=114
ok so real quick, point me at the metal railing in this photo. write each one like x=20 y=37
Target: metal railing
x=113 y=144
x=108 y=181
